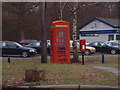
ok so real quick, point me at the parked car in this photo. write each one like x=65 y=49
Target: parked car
x=106 y=47
x=114 y=43
x=48 y=42
x=89 y=50
x=25 y=42
x=87 y=43
x=37 y=46
x=14 y=48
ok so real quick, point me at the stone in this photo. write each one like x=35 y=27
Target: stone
x=32 y=75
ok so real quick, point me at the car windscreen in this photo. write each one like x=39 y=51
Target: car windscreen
x=28 y=41
x=113 y=44
x=102 y=44
x=37 y=44
x=24 y=41
x=18 y=44
x=93 y=44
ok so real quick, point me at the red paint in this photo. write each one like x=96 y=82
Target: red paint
x=60 y=42
x=83 y=45
x=25 y=42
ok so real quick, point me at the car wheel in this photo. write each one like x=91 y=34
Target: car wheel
x=87 y=52
x=113 y=51
x=24 y=54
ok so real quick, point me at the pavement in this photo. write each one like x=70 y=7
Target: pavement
x=109 y=69
x=69 y=86
x=18 y=57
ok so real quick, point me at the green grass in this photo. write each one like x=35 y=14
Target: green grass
x=57 y=74
x=108 y=61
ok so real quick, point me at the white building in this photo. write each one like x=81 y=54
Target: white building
x=100 y=29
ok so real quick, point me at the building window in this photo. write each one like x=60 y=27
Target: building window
x=89 y=35
x=117 y=37
x=110 y=37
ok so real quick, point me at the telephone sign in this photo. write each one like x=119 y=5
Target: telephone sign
x=60 y=42
x=83 y=45
x=61 y=26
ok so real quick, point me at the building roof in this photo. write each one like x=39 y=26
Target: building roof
x=113 y=22
x=110 y=22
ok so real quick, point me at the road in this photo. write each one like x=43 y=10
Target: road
x=39 y=56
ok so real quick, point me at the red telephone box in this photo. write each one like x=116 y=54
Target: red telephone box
x=83 y=45
x=60 y=42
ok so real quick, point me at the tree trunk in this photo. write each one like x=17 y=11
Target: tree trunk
x=44 y=35
x=75 y=50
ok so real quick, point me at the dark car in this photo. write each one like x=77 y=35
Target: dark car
x=13 y=48
x=25 y=42
x=105 y=47
x=113 y=43
x=37 y=46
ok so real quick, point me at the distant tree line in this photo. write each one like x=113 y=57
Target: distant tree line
x=22 y=20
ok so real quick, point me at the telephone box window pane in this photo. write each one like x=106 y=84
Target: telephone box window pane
x=60 y=40
x=61 y=52
x=61 y=44
x=61 y=48
x=61 y=34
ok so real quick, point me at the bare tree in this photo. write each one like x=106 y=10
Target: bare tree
x=17 y=13
x=74 y=36
x=61 y=10
x=31 y=24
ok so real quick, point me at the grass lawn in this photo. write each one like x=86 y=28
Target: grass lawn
x=59 y=74
x=108 y=61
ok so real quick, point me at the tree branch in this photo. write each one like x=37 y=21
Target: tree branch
x=72 y=9
x=63 y=6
